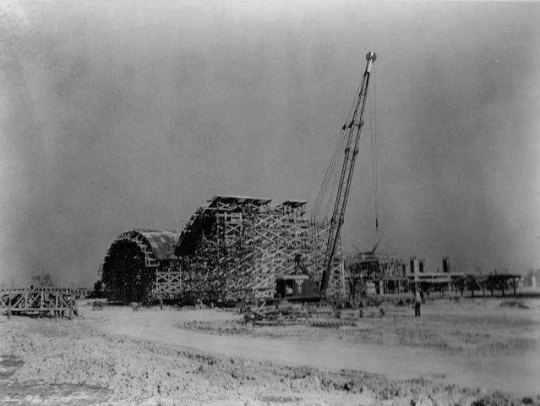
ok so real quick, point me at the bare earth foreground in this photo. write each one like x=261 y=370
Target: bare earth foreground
x=464 y=353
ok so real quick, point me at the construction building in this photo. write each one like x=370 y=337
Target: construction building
x=376 y=273
x=373 y=273
x=233 y=248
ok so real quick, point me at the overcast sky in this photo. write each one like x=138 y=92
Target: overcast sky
x=119 y=115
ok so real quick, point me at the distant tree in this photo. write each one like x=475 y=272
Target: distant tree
x=98 y=286
x=98 y=290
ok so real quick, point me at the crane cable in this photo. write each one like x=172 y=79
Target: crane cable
x=331 y=172
x=328 y=176
x=373 y=126
x=331 y=177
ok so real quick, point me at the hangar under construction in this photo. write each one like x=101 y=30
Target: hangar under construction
x=235 y=248
x=231 y=249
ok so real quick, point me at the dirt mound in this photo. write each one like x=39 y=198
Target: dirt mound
x=493 y=335
x=520 y=304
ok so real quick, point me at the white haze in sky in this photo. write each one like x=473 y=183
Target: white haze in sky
x=117 y=115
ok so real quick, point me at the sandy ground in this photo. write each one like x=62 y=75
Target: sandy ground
x=469 y=353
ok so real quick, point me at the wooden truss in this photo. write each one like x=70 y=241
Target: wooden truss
x=43 y=301
x=168 y=282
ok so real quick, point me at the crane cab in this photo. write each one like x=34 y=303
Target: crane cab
x=297 y=288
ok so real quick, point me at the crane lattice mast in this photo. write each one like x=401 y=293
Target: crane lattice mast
x=351 y=150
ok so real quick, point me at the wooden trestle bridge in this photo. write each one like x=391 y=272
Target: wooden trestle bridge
x=42 y=301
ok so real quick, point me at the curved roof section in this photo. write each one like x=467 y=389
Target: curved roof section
x=156 y=245
x=162 y=242
x=202 y=220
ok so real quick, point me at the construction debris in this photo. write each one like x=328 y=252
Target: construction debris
x=322 y=314
x=283 y=313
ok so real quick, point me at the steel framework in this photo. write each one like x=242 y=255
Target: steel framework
x=353 y=130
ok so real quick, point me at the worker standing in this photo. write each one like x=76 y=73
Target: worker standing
x=417 y=303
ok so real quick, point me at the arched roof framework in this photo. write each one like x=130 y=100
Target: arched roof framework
x=156 y=245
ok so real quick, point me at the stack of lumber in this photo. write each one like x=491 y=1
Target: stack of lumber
x=283 y=313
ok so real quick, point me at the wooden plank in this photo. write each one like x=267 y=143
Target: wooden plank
x=37 y=310
x=18 y=301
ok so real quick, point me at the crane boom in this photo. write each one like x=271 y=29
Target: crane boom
x=354 y=129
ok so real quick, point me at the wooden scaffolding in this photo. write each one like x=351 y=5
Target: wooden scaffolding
x=235 y=248
x=231 y=249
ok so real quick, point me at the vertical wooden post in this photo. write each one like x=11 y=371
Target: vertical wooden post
x=41 y=303
x=9 y=307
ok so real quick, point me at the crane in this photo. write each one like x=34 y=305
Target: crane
x=300 y=286
x=353 y=132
